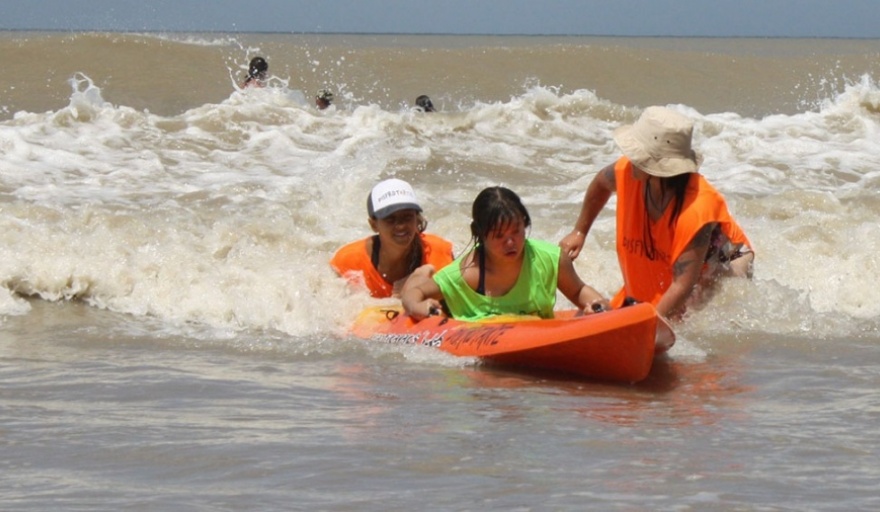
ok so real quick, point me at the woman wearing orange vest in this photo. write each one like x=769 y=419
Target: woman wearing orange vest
x=383 y=261
x=674 y=232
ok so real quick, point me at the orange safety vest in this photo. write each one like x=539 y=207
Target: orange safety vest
x=645 y=279
x=353 y=262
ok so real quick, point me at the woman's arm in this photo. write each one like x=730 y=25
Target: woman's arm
x=420 y=295
x=575 y=290
x=597 y=194
x=686 y=273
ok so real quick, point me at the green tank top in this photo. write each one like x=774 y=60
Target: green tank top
x=533 y=294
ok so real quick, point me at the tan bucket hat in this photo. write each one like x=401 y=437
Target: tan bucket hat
x=659 y=143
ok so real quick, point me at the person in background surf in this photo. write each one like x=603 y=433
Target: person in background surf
x=424 y=104
x=323 y=99
x=257 y=72
x=675 y=235
x=400 y=246
x=504 y=273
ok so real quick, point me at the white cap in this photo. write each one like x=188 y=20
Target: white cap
x=390 y=196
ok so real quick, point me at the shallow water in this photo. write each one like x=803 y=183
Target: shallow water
x=171 y=337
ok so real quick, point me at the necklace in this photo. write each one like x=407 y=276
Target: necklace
x=412 y=260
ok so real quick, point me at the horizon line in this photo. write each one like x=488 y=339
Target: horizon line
x=431 y=34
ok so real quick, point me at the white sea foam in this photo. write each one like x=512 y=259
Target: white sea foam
x=227 y=214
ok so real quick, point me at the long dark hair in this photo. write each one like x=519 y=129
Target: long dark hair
x=678 y=184
x=494 y=209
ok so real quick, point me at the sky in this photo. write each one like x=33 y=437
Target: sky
x=713 y=18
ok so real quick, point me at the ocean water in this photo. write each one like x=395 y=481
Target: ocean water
x=171 y=337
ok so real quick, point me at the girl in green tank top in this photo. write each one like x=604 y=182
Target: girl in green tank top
x=504 y=273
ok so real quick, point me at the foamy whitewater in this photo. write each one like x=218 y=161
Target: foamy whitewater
x=163 y=267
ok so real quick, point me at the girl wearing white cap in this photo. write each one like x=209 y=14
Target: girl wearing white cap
x=383 y=261
x=674 y=231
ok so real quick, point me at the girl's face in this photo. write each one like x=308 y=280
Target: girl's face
x=507 y=241
x=400 y=228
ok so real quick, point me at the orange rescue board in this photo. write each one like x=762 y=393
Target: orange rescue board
x=617 y=345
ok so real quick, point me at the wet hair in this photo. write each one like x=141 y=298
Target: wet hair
x=258 y=68
x=425 y=102
x=678 y=184
x=323 y=99
x=494 y=209
x=325 y=95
